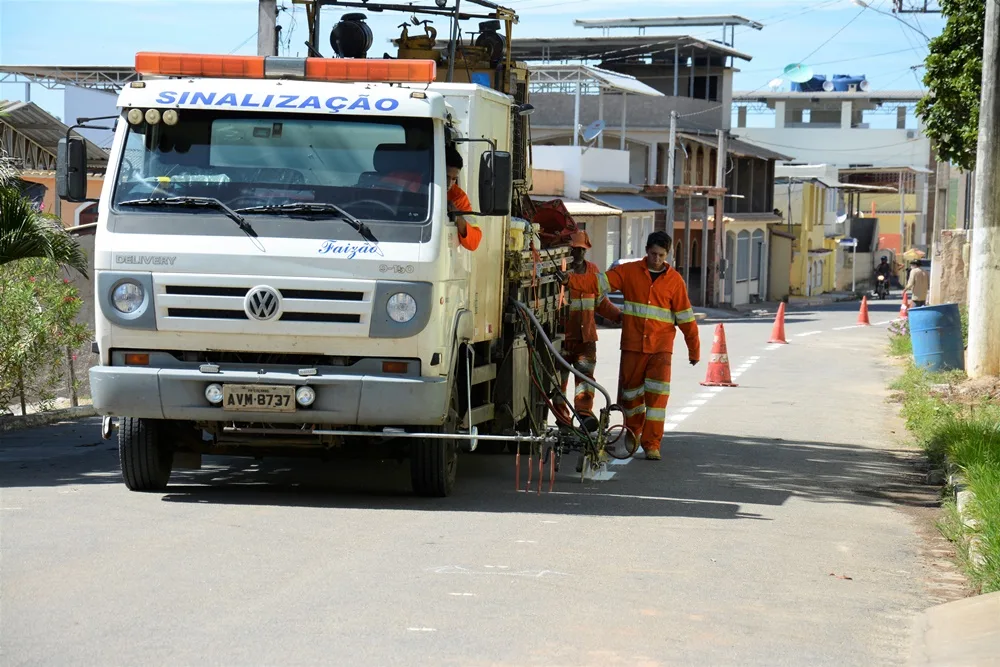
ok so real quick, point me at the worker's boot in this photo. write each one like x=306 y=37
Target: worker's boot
x=652 y=454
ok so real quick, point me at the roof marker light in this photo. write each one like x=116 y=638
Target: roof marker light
x=259 y=67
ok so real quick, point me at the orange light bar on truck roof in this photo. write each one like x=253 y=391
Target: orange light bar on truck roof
x=313 y=69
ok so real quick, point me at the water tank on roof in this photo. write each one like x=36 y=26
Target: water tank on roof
x=813 y=85
x=842 y=82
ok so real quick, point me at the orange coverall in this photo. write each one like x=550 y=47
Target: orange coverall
x=653 y=312
x=581 y=341
x=460 y=200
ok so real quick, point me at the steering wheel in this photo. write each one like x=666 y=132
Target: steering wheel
x=391 y=211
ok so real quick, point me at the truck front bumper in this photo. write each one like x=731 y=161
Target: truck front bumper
x=341 y=399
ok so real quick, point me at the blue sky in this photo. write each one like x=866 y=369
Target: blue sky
x=109 y=32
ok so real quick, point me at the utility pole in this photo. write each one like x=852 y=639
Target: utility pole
x=671 y=211
x=267 y=23
x=984 y=270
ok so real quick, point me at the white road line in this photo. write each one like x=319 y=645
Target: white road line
x=698 y=402
x=879 y=324
x=775 y=347
x=809 y=333
x=676 y=418
x=853 y=326
x=704 y=395
x=602 y=476
x=669 y=426
x=717 y=389
x=752 y=359
x=689 y=409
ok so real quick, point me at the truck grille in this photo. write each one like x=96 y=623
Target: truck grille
x=308 y=306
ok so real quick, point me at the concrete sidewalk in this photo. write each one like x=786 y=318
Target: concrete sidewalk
x=958 y=634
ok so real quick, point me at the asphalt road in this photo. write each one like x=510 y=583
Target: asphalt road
x=766 y=536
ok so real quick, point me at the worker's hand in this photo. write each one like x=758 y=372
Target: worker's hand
x=562 y=277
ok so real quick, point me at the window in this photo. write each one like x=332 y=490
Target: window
x=757 y=254
x=743 y=256
x=614 y=238
x=376 y=168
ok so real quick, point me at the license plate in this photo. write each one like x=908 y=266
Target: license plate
x=258 y=398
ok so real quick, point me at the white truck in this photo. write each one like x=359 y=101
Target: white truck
x=276 y=269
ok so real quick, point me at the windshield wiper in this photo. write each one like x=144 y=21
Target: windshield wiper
x=206 y=202
x=316 y=208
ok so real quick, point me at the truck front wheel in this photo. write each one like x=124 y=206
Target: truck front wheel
x=146 y=460
x=434 y=462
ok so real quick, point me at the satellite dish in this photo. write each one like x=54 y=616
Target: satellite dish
x=593 y=130
x=798 y=72
x=828 y=86
x=775 y=83
x=864 y=86
x=842 y=218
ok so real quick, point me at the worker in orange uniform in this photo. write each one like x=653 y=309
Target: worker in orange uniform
x=458 y=202
x=580 y=345
x=656 y=305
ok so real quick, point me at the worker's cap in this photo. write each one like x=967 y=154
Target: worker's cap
x=579 y=240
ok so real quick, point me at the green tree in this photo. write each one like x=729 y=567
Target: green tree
x=950 y=110
x=38 y=309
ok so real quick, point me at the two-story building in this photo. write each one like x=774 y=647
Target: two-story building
x=694 y=80
x=871 y=137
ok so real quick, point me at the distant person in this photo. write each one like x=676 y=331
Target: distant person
x=656 y=305
x=917 y=285
x=469 y=235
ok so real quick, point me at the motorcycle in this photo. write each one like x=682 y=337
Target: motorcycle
x=882 y=287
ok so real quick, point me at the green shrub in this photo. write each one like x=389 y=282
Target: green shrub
x=38 y=307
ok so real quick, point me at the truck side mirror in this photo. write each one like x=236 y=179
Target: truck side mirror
x=495 y=183
x=71 y=169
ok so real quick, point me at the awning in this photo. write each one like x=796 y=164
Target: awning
x=579 y=207
x=608 y=186
x=735 y=146
x=627 y=203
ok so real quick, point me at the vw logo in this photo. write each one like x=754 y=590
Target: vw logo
x=262 y=303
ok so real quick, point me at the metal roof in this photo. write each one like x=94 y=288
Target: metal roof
x=610 y=48
x=578 y=206
x=558 y=74
x=626 y=202
x=670 y=22
x=44 y=131
x=56 y=77
x=736 y=146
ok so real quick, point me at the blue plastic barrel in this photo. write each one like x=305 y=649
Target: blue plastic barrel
x=936 y=333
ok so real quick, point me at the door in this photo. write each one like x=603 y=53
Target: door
x=730 y=266
x=779 y=267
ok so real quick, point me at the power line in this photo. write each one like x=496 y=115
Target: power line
x=243 y=43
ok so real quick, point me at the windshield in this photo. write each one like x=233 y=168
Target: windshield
x=376 y=169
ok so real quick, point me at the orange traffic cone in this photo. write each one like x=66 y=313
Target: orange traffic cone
x=778 y=332
x=863 y=313
x=718 y=365
x=904 y=307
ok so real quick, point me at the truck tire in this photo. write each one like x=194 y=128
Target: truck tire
x=146 y=460
x=433 y=462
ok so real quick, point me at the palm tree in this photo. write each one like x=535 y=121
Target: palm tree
x=26 y=232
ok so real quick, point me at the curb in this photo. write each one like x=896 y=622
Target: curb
x=963 y=498
x=19 y=422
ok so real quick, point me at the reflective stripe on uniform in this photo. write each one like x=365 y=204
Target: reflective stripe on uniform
x=584 y=390
x=648 y=312
x=585 y=303
x=657 y=387
x=632 y=394
x=632 y=412
x=585 y=367
x=602 y=283
x=684 y=316
x=656 y=414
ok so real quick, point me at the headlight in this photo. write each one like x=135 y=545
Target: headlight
x=128 y=297
x=401 y=307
